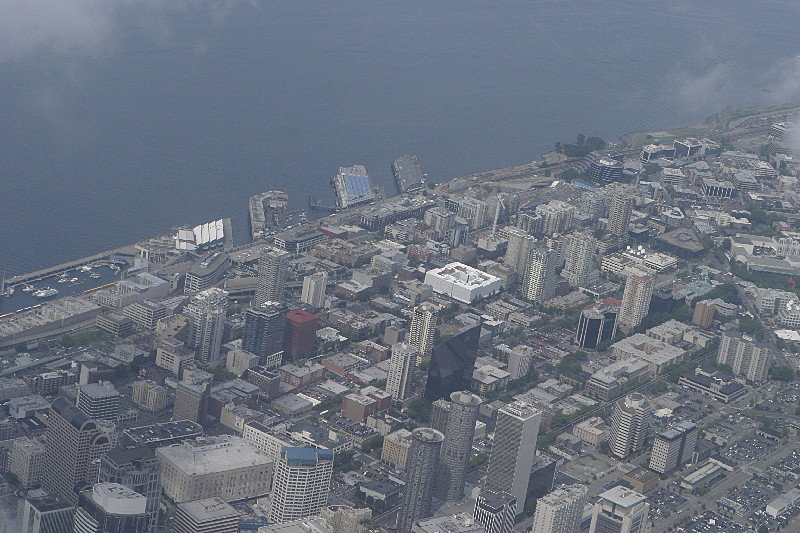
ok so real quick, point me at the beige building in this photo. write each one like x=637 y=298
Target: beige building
x=265 y=439
x=172 y=355
x=149 y=395
x=395 y=449
x=225 y=466
x=239 y=360
x=27 y=461
x=345 y=519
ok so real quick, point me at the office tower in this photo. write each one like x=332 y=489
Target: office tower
x=673 y=447
x=620 y=510
x=73 y=446
x=520 y=245
x=423 y=326
x=27 y=461
x=264 y=329
x=301 y=482
x=556 y=217
x=704 y=313
x=439 y=410
x=300 y=338
x=457 y=445
x=45 y=514
x=206 y=312
x=273 y=266
x=314 y=290
x=619 y=214
x=746 y=356
x=579 y=269
x=421 y=465
x=539 y=281
x=560 y=511
x=540 y=483
x=596 y=324
x=495 y=511
x=403 y=363
x=99 y=401
x=636 y=300
x=514 y=450
x=111 y=508
x=137 y=469
x=452 y=364
x=209 y=515
x=629 y=425
x=191 y=402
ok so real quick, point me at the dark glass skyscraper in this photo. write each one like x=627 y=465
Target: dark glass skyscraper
x=596 y=324
x=452 y=364
x=264 y=329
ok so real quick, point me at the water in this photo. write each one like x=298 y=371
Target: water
x=124 y=119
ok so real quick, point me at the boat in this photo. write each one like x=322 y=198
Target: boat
x=47 y=292
x=29 y=288
x=10 y=291
x=95 y=275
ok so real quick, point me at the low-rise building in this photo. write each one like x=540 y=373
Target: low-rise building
x=591 y=431
x=608 y=382
x=655 y=353
x=462 y=282
x=149 y=395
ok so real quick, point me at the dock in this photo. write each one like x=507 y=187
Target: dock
x=129 y=251
x=408 y=174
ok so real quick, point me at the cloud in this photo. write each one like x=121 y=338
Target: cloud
x=699 y=91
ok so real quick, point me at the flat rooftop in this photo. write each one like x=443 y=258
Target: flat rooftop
x=623 y=497
x=209 y=455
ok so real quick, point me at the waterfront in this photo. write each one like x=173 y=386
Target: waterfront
x=122 y=139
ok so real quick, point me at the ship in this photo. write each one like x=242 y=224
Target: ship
x=47 y=292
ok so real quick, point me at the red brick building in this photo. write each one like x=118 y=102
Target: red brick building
x=301 y=334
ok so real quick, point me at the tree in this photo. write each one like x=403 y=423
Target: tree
x=21 y=347
x=782 y=373
x=604 y=447
x=659 y=387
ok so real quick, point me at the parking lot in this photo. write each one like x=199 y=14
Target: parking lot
x=748 y=498
x=663 y=503
x=748 y=449
x=711 y=522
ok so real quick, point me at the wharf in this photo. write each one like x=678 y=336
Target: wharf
x=129 y=250
x=408 y=174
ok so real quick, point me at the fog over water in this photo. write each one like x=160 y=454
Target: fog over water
x=123 y=119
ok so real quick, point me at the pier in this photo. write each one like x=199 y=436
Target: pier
x=128 y=251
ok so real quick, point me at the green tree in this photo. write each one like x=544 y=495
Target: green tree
x=782 y=373
x=21 y=347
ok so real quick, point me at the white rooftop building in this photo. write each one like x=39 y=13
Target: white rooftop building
x=462 y=282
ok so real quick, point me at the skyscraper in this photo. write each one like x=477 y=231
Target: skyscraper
x=452 y=364
x=514 y=450
x=579 y=269
x=620 y=510
x=673 y=447
x=300 y=484
x=264 y=329
x=560 y=511
x=496 y=511
x=206 y=312
x=539 y=281
x=402 y=365
x=596 y=324
x=704 y=313
x=99 y=401
x=73 y=447
x=314 y=289
x=619 y=214
x=111 y=507
x=300 y=339
x=137 y=469
x=520 y=244
x=636 y=300
x=630 y=424
x=421 y=466
x=273 y=266
x=423 y=326
x=745 y=355
x=457 y=446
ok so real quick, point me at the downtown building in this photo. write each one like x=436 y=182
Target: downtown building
x=620 y=510
x=560 y=511
x=596 y=324
x=457 y=445
x=636 y=300
x=402 y=366
x=452 y=364
x=579 y=268
x=138 y=470
x=496 y=511
x=673 y=447
x=539 y=281
x=113 y=508
x=301 y=483
x=313 y=293
x=207 y=312
x=422 y=464
x=273 y=266
x=619 y=215
x=746 y=356
x=630 y=425
x=423 y=327
x=264 y=330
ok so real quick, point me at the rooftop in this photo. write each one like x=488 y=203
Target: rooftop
x=623 y=497
x=208 y=455
x=208 y=509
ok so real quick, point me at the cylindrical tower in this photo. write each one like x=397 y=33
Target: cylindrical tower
x=423 y=461
x=457 y=444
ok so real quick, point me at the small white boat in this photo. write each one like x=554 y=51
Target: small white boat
x=47 y=292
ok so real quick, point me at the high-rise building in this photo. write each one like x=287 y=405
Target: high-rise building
x=206 y=312
x=99 y=401
x=191 y=397
x=620 y=510
x=73 y=446
x=619 y=214
x=704 y=313
x=137 y=469
x=314 y=289
x=421 y=465
x=45 y=514
x=301 y=482
x=539 y=280
x=403 y=363
x=423 y=326
x=746 y=356
x=300 y=338
x=452 y=364
x=596 y=324
x=273 y=266
x=636 y=300
x=673 y=447
x=27 y=461
x=520 y=245
x=579 y=268
x=496 y=511
x=630 y=425
x=439 y=410
x=264 y=329
x=113 y=508
x=209 y=515
x=560 y=511
x=514 y=450
x=457 y=445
